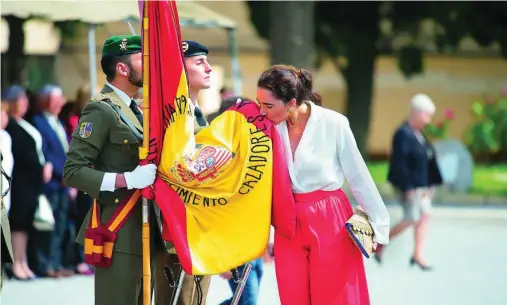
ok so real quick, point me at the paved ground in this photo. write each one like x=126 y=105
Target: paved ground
x=466 y=245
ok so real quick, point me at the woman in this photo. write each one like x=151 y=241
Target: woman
x=413 y=171
x=320 y=265
x=28 y=176
x=6 y=150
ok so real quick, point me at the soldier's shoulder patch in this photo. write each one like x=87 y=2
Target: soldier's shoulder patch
x=85 y=130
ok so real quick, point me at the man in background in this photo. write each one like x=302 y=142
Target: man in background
x=49 y=245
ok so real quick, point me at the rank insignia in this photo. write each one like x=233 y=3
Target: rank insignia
x=85 y=130
x=123 y=44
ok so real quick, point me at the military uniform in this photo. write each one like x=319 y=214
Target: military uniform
x=190 y=292
x=102 y=143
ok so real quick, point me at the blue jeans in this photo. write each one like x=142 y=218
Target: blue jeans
x=251 y=289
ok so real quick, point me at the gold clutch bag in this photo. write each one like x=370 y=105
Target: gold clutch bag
x=361 y=231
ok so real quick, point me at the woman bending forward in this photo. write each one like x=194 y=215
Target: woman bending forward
x=320 y=265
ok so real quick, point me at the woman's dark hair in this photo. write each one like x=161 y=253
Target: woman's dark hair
x=288 y=82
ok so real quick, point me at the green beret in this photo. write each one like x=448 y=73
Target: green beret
x=121 y=45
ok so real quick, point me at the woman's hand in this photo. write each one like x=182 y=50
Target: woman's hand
x=269 y=254
x=226 y=275
x=47 y=172
x=73 y=193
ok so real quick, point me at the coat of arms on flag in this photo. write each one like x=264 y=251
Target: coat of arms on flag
x=218 y=191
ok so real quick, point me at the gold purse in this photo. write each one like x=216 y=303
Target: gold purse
x=361 y=231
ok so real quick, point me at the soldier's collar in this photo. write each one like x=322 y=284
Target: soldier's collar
x=122 y=95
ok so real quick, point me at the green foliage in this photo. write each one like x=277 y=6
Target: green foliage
x=338 y=22
x=440 y=129
x=487 y=179
x=68 y=29
x=355 y=33
x=488 y=133
x=410 y=60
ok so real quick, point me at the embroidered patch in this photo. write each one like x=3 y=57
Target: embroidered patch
x=85 y=131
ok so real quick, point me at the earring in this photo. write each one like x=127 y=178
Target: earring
x=291 y=118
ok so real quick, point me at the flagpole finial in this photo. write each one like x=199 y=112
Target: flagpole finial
x=132 y=30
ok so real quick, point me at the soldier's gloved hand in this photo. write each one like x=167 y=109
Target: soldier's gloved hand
x=141 y=177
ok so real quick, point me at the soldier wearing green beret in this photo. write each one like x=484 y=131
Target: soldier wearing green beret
x=103 y=161
x=194 y=289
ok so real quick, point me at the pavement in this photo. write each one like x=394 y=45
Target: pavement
x=466 y=245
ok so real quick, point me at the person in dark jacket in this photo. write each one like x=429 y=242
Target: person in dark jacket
x=413 y=172
x=28 y=178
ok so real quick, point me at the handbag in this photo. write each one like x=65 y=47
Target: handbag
x=43 y=219
x=360 y=231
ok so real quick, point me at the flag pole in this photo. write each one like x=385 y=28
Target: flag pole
x=143 y=153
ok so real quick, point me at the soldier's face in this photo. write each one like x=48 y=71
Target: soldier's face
x=134 y=69
x=199 y=72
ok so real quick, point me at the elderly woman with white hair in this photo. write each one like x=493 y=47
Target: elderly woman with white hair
x=413 y=172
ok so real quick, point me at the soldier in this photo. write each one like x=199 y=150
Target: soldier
x=194 y=289
x=103 y=161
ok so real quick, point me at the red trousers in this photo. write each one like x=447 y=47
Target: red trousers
x=320 y=265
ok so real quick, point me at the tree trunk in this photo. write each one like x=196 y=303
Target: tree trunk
x=359 y=76
x=291 y=33
x=16 y=53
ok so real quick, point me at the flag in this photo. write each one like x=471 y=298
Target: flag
x=220 y=190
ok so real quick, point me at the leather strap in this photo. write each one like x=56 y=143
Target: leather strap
x=127 y=122
x=99 y=239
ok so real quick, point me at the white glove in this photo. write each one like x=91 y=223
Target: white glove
x=141 y=177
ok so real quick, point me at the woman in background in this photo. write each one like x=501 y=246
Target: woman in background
x=28 y=177
x=321 y=265
x=6 y=150
x=413 y=171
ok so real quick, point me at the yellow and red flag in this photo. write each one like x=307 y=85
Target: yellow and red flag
x=220 y=190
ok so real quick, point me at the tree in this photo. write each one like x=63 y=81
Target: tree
x=353 y=34
x=292 y=40
x=15 y=59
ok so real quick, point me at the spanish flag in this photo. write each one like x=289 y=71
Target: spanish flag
x=220 y=190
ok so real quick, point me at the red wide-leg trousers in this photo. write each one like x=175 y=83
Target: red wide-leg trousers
x=320 y=265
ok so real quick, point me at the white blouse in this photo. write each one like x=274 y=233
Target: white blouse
x=327 y=155
x=7 y=165
x=35 y=134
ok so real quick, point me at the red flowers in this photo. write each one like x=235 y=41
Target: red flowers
x=449 y=114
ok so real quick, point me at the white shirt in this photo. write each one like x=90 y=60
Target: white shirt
x=57 y=126
x=35 y=134
x=327 y=155
x=7 y=165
